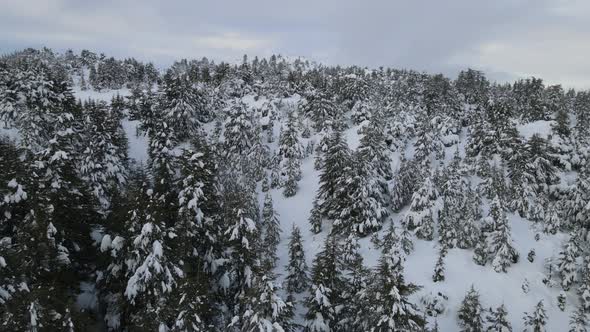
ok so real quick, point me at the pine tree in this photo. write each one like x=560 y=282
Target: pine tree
x=102 y=164
x=296 y=280
x=439 y=268
x=239 y=131
x=270 y=232
x=561 y=301
x=330 y=199
x=267 y=311
x=552 y=220
x=562 y=123
x=327 y=285
x=183 y=104
x=480 y=254
x=321 y=110
x=359 y=203
x=579 y=321
x=291 y=152
x=391 y=309
x=498 y=320
x=500 y=246
x=536 y=321
x=195 y=237
x=470 y=312
x=404 y=183
x=584 y=290
x=152 y=275
x=421 y=213
x=567 y=266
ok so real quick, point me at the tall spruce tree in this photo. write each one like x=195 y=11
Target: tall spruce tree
x=500 y=245
x=327 y=286
x=296 y=280
x=498 y=320
x=470 y=312
x=537 y=320
x=389 y=303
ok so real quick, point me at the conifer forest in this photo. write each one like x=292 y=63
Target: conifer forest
x=280 y=194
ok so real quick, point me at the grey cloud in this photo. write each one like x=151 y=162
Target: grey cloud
x=438 y=36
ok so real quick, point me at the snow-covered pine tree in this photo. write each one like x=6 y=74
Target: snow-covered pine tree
x=439 y=268
x=537 y=320
x=152 y=273
x=429 y=142
x=183 y=104
x=325 y=294
x=579 y=321
x=374 y=153
x=404 y=183
x=575 y=211
x=552 y=221
x=360 y=203
x=355 y=295
x=480 y=253
x=102 y=165
x=242 y=237
x=330 y=199
x=447 y=224
x=266 y=311
x=566 y=262
x=498 y=320
x=291 y=152
x=420 y=216
x=388 y=294
x=561 y=300
x=321 y=110
x=270 y=232
x=239 y=131
x=296 y=280
x=584 y=290
x=470 y=312
x=194 y=235
x=499 y=239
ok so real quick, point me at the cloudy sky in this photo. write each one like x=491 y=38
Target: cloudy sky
x=505 y=38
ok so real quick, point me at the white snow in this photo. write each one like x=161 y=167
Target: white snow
x=541 y=128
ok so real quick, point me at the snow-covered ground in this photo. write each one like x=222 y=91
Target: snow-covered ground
x=461 y=272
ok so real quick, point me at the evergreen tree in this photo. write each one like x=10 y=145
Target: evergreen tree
x=470 y=312
x=480 y=253
x=330 y=199
x=404 y=184
x=579 y=321
x=420 y=216
x=327 y=285
x=242 y=236
x=270 y=232
x=500 y=246
x=321 y=111
x=498 y=320
x=536 y=321
x=152 y=274
x=566 y=265
x=439 y=268
x=267 y=311
x=584 y=290
x=102 y=164
x=296 y=280
x=184 y=105
x=391 y=309
x=291 y=151
x=359 y=203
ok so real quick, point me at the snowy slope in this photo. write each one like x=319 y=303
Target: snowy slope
x=461 y=272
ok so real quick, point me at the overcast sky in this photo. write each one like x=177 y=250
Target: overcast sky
x=505 y=38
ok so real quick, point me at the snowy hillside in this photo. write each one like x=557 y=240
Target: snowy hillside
x=180 y=183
